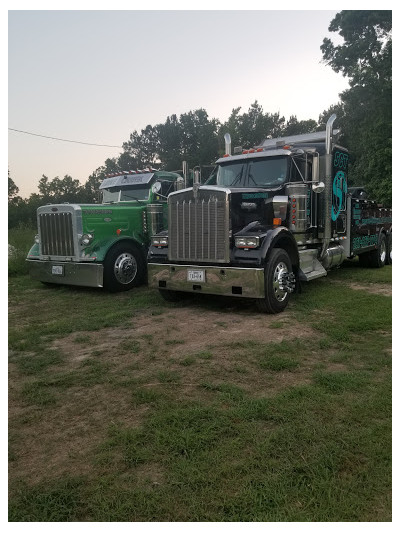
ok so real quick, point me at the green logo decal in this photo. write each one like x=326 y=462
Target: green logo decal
x=252 y=196
x=339 y=190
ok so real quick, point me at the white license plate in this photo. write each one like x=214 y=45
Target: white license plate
x=195 y=275
x=57 y=270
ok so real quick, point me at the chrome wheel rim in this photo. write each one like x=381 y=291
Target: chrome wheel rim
x=280 y=269
x=125 y=268
x=383 y=251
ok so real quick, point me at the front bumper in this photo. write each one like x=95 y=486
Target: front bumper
x=223 y=281
x=82 y=274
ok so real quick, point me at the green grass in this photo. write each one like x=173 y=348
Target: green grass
x=21 y=239
x=250 y=431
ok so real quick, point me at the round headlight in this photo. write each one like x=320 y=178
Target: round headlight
x=37 y=240
x=86 y=239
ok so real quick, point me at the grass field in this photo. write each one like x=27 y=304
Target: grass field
x=125 y=408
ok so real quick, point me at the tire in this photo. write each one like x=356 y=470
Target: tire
x=378 y=256
x=124 y=268
x=364 y=260
x=276 y=299
x=389 y=249
x=170 y=296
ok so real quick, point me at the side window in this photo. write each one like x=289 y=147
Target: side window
x=299 y=171
x=166 y=187
x=294 y=171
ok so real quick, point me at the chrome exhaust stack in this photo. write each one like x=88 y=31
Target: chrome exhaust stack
x=185 y=173
x=228 y=144
x=328 y=186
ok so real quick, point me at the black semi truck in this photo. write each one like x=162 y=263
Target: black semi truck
x=266 y=219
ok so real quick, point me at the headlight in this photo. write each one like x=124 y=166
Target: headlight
x=159 y=241
x=247 y=242
x=37 y=240
x=86 y=239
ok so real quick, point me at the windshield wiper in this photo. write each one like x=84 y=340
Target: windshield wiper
x=237 y=179
x=252 y=178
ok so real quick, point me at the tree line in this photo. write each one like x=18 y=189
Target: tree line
x=364 y=117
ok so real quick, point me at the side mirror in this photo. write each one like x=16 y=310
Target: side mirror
x=179 y=184
x=156 y=187
x=318 y=187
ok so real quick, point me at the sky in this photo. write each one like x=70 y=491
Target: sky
x=96 y=76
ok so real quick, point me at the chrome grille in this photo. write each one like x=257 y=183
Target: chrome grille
x=198 y=227
x=56 y=234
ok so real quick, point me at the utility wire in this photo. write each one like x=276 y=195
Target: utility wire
x=64 y=140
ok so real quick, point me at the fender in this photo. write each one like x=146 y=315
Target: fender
x=101 y=249
x=280 y=237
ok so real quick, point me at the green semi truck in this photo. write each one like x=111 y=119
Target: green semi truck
x=103 y=245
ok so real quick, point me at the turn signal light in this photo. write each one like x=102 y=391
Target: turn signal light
x=277 y=221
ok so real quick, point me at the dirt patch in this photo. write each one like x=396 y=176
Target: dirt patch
x=372 y=288
x=187 y=347
x=181 y=331
x=176 y=353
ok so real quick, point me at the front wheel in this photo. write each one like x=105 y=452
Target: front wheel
x=124 y=268
x=279 y=282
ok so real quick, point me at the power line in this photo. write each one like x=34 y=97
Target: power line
x=64 y=140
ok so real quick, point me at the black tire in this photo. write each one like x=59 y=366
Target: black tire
x=378 y=256
x=364 y=260
x=171 y=296
x=124 y=268
x=276 y=299
x=389 y=249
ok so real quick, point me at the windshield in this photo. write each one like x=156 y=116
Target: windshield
x=258 y=172
x=128 y=194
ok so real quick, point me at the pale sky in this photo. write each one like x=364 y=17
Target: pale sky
x=96 y=76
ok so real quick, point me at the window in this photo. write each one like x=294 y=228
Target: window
x=268 y=172
x=125 y=194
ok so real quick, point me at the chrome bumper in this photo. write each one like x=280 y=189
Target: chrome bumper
x=224 y=281
x=83 y=274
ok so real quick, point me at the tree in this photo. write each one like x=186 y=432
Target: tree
x=251 y=128
x=296 y=127
x=199 y=138
x=141 y=149
x=365 y=57
x=59 y=190
x=12 y=189
x=90 y=193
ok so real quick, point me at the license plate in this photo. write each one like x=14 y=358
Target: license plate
x=57 y=270
x=195 y=275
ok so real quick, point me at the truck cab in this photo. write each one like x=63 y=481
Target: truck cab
x=103 y=245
